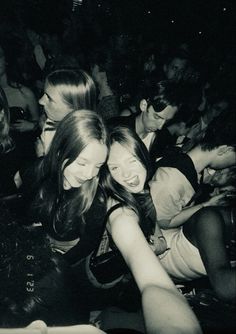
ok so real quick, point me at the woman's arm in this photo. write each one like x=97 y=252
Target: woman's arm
x=168 y=311
x=186 y=213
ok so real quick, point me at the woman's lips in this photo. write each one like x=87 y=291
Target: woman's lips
x=134 y=182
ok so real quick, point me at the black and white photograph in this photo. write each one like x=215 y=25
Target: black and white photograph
x=117 y=166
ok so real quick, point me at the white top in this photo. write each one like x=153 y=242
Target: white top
x=171 y=192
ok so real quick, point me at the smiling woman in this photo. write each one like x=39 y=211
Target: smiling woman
x=130 y=221
x=67 y=199
x=86 y=166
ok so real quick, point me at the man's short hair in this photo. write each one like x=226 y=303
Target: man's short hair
x=221 y=131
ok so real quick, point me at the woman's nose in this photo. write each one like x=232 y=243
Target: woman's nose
x=125 y=172
x=89 y=173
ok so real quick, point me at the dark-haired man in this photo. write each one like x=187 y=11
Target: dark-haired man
x=149 y=122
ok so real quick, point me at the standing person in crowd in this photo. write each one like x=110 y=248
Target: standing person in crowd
x=106 y=73
x=67 y=199
x=197 y=229
x=154 y=113
x=65 y=91
x=22 y=103
x=215 y=104
x=9 y=159
x=129 y=224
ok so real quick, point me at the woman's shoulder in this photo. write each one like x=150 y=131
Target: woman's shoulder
x=118 y=211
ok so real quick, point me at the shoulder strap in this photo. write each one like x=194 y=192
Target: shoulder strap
x=112 y=209
x=184 y=164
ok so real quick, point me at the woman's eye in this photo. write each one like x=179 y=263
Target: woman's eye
x=113 y=168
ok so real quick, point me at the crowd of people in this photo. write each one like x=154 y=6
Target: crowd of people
x=117 y=182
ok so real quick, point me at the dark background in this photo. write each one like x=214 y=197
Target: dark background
x=180 y=20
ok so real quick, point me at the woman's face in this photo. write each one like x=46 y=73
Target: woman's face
x=53 y=104
x=126 y=169
x=86 y=166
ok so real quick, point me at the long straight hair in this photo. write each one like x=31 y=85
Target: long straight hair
x=6 y=143
x=76 y=88
x=73 y=134
x=131 y=141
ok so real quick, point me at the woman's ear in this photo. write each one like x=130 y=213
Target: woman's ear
x=143 y=105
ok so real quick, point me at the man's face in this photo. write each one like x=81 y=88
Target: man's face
x=215 y=110
x=174 y=70
x=153 y=121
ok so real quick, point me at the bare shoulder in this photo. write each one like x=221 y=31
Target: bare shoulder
x=121 y=214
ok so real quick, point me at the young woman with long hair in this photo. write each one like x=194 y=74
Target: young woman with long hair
x=130 y=225
x=65 y=90
x=67 y=198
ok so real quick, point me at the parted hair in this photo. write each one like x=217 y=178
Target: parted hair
x=131 y=141
x=76 y=88
x=73 y=134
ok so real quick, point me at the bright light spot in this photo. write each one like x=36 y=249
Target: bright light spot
x=224 y=9
x=149 y=12
x=172 y=21
x=200 y=32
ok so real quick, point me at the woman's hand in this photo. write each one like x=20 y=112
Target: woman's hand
x=218 y=200
x=158 y=242
x=159 y=245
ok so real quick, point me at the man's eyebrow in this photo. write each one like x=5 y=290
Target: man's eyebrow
x=50 y=98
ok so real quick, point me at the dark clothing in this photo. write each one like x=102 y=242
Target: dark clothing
x=108 y=107
x=162 y=137
x=88 y=230
x=9 y=165
x=24 y=141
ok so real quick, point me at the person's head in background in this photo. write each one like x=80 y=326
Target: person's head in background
x=217 y=102
x=158 y=109
x=5 y=140
x=66 y=91
x=187 y=112
x=175 y=65
x=220 y=141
